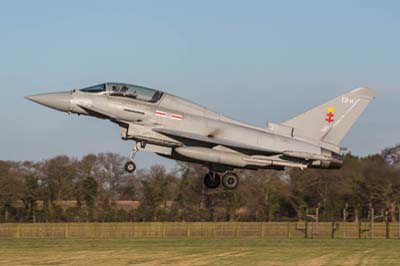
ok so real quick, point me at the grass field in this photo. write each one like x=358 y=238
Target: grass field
x=200 y=252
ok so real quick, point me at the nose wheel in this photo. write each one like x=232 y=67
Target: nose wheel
x=130 y=167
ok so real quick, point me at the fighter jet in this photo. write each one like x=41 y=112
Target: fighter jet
x=179 y=129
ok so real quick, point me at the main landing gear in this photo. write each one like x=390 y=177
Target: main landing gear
x=230 y=180
x=212 y=180
x=130 y=166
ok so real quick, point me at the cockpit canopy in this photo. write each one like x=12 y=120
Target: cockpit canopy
x=126 y=90
x=95 y=89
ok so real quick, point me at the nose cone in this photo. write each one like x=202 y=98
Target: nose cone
x=58 y=100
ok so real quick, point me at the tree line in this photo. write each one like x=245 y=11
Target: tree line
x=94 y=188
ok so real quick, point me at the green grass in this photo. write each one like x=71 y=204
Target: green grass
x=200 y=252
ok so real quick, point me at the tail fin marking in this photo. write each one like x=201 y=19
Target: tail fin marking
x=331 y=121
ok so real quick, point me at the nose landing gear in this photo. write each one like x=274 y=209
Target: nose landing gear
x=130 y=166
x=230 y=180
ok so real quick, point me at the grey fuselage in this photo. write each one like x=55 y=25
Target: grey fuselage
x=170 y=122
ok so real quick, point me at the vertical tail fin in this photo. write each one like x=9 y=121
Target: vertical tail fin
x=331 y=121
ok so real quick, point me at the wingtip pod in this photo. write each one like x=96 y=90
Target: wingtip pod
x=364 y=92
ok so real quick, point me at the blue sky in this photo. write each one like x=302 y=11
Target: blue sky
x=252 y=60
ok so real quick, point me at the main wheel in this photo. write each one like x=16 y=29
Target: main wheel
x=230 y=181
x=212 y=180
x=130 y=167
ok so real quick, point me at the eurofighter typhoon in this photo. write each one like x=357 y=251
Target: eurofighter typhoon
x=179 y=129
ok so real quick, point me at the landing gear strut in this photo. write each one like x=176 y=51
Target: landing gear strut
x=130 y=166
